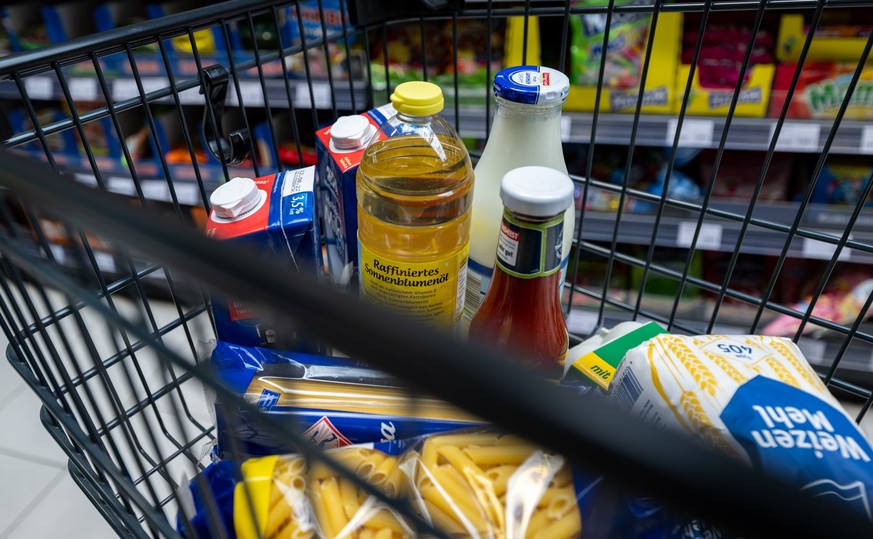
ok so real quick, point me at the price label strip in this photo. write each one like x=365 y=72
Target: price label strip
x=39 y=87
x=866 y=143
x=797 y=137
x=823 y=250
x=83 y=89
x=709 y=237
x=695 y=133
x=566 y=126
x=320 y=95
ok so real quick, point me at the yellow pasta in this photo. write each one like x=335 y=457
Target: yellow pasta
x=568 y=526
x=349 y=496
x=353 y=459
x=277 y=518
x=503 y=454
x=321 y=513
x=383 y=470
x=466 y=517
x=429 y=454
x=393 y=483
x=330 y=497
x=355 y=398
x=370 y=464
x=384 y=519
x=384 y=533
x=458 y=459
x=476 y=438
x=458 y=489
x=441 y=520
x=366 y=533
x=565 y=494
x=499 y=477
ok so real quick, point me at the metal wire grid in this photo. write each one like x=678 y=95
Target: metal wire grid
x=41 y=324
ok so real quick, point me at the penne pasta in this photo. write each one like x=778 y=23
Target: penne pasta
x=277 y=518
x=429 y=454
x=441 y=520
x=321 y=511
x=470 y=519
x=366 y=533
x=383 y=470
x=333 y=504
x=564 y=494
x=384 y=533
x=496 y=455
x=393 y=483
x=567 y=527
x=499 y=477
x=478 y=439
x=459 y=460
x=384 y=519
x=369 y=465
x=349 y=497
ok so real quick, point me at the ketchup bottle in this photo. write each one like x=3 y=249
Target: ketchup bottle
x=521 y=312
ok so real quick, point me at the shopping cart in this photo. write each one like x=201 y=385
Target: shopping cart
x=107 y=278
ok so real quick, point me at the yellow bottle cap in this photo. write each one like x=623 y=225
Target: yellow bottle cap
x=418 y=98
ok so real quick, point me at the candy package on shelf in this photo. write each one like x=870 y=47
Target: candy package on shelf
x=331 y=401
x=628 y=38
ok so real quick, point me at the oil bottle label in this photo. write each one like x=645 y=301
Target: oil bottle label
x=431 y=292
x=529 y=250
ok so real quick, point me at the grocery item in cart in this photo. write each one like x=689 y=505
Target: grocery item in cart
x=526 y=131
x=597 y=358
x=466 y=483
x=333 y=401
x=521 y=312
x=340 y=147
x=414 y=188
x=276 y=215
x=757 y=399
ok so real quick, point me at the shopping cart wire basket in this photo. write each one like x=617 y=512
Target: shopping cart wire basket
x=107 y=286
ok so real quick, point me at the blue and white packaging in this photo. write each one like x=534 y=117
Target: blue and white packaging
x=754 y=398
x=277 y=214
x=340 y=147
x=331 y=401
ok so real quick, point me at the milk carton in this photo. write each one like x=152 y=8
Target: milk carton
x=340 y=147
x=276 y=213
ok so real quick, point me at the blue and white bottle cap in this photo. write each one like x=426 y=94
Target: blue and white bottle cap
x=532 y=85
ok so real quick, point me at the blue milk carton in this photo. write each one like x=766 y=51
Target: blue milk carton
x=276 y=213
x=340 y=148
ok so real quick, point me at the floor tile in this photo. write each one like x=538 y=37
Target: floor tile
x=24 y=437
x=24 y=483
x=71 y=515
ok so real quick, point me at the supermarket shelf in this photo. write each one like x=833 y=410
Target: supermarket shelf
x=677 y=228
x=253 y=94
x=798 y=136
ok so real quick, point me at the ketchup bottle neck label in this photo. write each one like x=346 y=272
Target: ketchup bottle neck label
x=527 y=250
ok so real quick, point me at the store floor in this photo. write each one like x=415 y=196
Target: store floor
x=38 y=498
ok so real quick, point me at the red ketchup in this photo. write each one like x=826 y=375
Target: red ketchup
x=521 y=312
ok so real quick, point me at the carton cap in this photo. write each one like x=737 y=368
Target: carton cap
x=351 y=133
x=234 y=198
